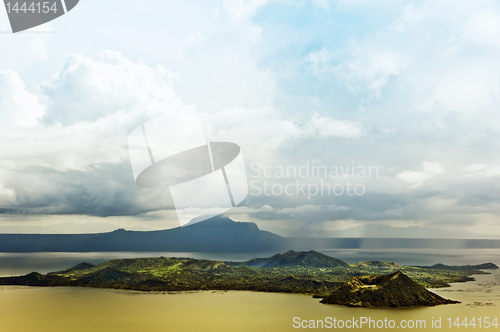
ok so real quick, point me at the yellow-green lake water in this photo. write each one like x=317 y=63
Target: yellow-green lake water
x=83 y=309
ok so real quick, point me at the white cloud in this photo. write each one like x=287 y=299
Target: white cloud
x=7 y=196
x=18 y=107
x=418 y=178
x=239 y=10
x=468 y=88
x=483 y=28
x=325 y=4
x=319 y=62
x=450 y=52
x=410 y=17
x=237 y=67
x=246 y=210
x=90 y=107
x=76 y=157
x=274 y=130
x=328 y=127
x=38 y=46
x=258 y=131
x=197 y=37
x=474 y=168
x=310 y=208
x=91 y=88
x=299 y=210
x=88 y=110
x=31 y=48
x=359 y=67
x=481 y=170
x=433 y=168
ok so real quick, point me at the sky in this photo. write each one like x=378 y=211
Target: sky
x=396 y=99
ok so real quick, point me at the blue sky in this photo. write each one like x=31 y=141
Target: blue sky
x=409 y=87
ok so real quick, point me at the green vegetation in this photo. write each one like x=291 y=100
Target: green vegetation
x=391 y=290
x=310 y=259
x=293 y=272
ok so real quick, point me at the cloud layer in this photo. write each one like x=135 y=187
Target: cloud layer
x=410 y=88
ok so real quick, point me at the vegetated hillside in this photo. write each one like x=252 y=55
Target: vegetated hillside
x=289 y=258
x=391 y=290
x=377 y=264
x=298 y=272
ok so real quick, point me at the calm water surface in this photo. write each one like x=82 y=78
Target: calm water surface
x=81 y=309
x=22 y=263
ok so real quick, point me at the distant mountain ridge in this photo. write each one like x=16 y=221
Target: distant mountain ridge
x=219 y=234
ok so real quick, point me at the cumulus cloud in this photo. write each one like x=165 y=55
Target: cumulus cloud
x=74 y=157
x=18 y=107
x=86 y=112
x=75 y=160
x=274 y=130
x=336 y=92
x=88 y=89
x=418 y=178
x=443 y=66
x=7 y=196
x=481 y=170
x=484 y=28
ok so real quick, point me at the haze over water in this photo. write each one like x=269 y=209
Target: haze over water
x=83 y=309
x=43 y=262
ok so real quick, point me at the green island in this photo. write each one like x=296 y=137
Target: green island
x=308 y=272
